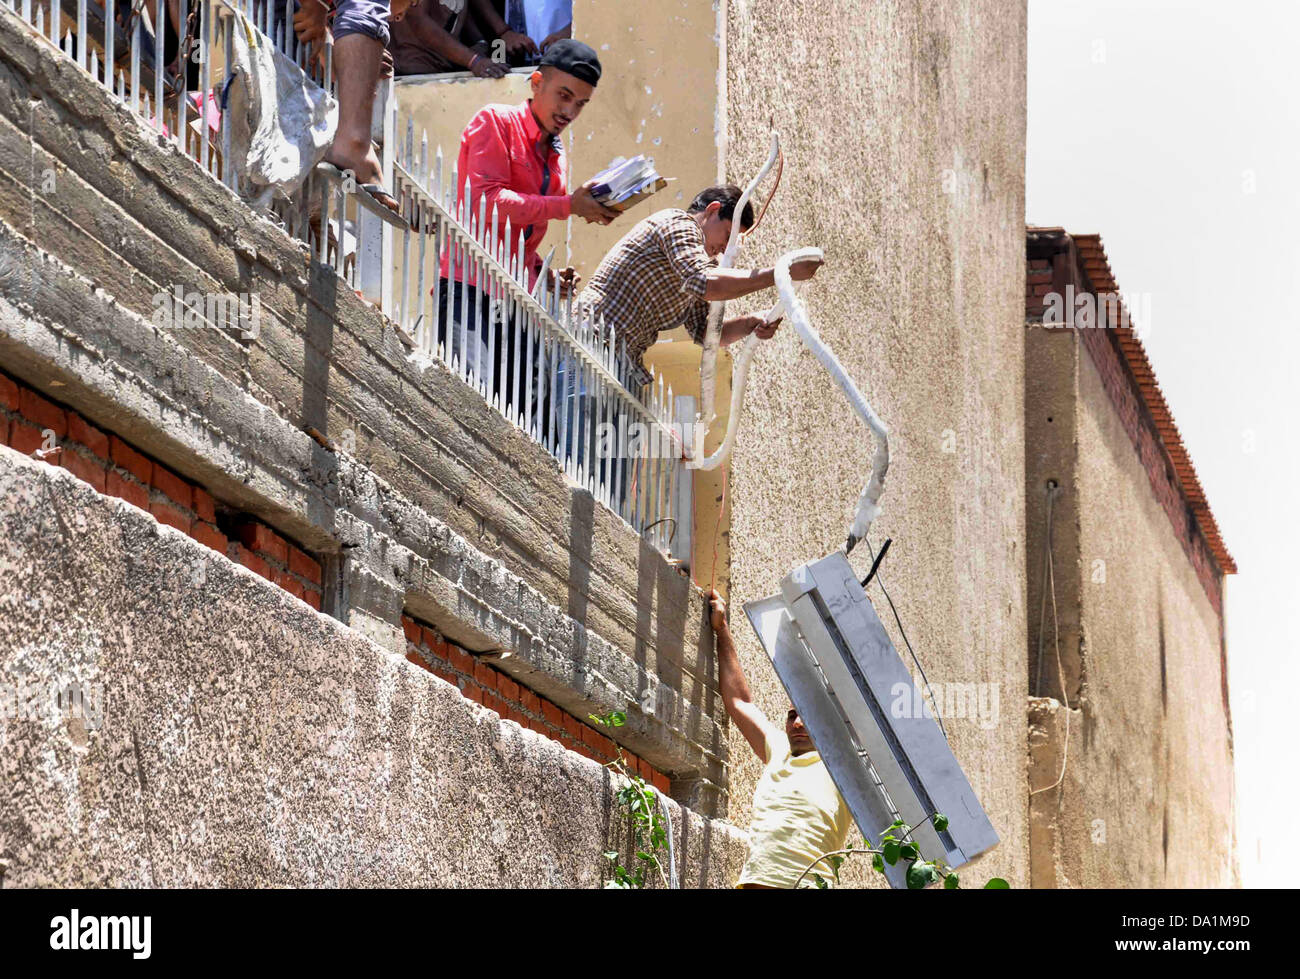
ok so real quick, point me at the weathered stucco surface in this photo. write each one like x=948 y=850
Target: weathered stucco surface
x=903 y=125
x=1147 y=798
x=658 y=96
x=247 y=740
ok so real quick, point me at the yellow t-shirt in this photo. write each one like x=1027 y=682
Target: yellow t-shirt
x=798 y=816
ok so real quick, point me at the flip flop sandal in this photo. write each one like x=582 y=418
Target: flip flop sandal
x=376 y=193
x=368 y=196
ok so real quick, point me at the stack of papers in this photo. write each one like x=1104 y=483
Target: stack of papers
x=627 y=182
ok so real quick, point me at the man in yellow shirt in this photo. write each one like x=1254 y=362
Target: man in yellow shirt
x=798 y=814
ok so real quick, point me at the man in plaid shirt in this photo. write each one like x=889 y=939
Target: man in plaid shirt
x=664 y=273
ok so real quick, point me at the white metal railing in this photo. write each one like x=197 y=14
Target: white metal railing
x=564 y=379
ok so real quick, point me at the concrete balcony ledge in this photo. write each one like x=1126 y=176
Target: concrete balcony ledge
x=425 y=498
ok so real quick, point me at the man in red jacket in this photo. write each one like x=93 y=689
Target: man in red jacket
x=513 y=158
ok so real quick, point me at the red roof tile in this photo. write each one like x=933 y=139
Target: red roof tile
x=1095 y=262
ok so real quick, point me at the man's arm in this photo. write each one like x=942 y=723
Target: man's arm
x=740 y=327
x=563 y=33
x=736 y=328
x=684 y=249
x=428 y=30
x=487 y=17
x=733 y=686
x=723 y=284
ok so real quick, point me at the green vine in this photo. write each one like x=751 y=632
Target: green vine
x=648 y=831
x=894 y=847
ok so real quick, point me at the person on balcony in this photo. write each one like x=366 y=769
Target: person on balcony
x=664 y=273
x=514 y=162
x=439 y=36
x=360 y=31
x=798 y=814
x=543 y=21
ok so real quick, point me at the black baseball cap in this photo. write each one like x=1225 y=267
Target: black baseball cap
x=574 y=58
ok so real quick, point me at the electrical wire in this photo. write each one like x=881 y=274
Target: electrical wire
x=776 y=185
x=1052 y=490
x=671 y=520
x=903 y=632
x=1042 y=590
x=717 y=528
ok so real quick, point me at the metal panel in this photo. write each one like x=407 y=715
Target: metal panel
x=834 y=738
x=915 y=772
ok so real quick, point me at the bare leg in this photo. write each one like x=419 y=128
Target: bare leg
x=174 y=18
x=356 y=66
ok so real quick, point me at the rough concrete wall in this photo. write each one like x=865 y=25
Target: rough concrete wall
x=903 y=125
x=1149 y=769
x=439 y=505
x=1052 y=455
x=247 y=740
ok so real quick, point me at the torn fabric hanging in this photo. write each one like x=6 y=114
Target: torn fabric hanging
x=281 y=123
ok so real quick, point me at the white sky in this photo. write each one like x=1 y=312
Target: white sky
x=1173 y=130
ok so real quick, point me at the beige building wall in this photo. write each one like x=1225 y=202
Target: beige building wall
x=904 y=134
x=1147 y=797
x=658 y=96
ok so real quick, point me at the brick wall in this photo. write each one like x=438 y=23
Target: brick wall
x=28 y=421
x=1053 y=264
x=1038 y=283
x=498 y=691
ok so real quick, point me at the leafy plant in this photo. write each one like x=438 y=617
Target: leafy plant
x=649 y=835
x=895 y=845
